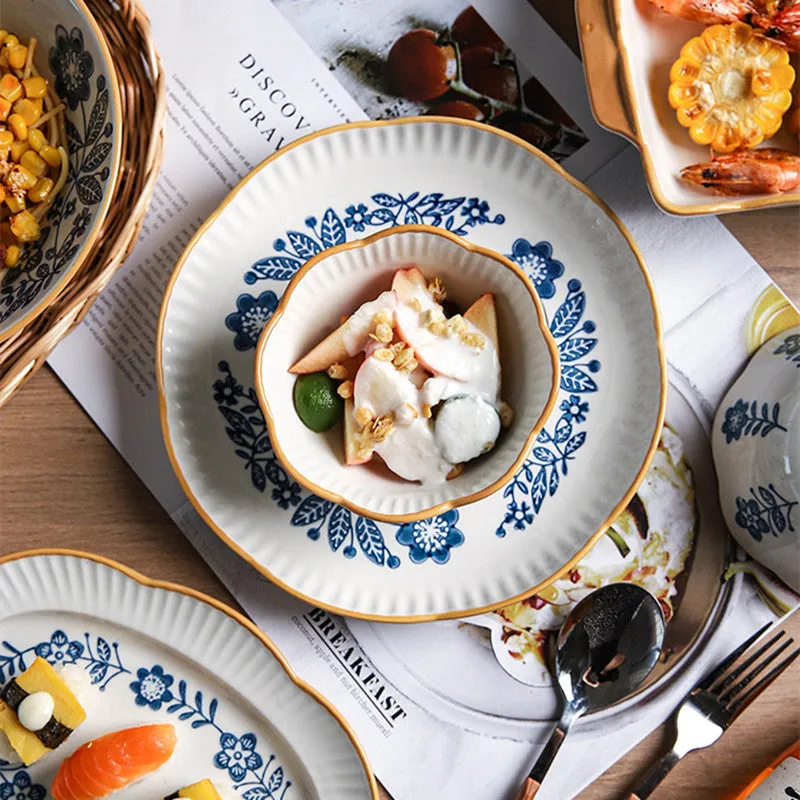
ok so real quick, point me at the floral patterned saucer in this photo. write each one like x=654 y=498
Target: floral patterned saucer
x=158 y=653
x=73 y=55
x=342 y=184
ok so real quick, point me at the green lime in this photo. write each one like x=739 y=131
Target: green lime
x=316 y=401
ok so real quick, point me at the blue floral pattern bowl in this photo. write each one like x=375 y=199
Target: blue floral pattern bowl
x=73 y=55
x=156 y=653
x=757 y=456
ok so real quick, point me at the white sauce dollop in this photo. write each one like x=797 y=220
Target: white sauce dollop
x=466 y=426
x=35 y=710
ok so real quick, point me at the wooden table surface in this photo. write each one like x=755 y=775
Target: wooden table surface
x=63 y=485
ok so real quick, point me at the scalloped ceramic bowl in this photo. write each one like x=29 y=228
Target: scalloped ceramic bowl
x=338 y=281
x=73 y=56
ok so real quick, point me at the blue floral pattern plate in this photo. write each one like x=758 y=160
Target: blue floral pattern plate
x=73 y=56
x=341 y=185
x=153 y=653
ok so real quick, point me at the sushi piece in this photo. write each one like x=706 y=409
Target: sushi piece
x=202 y=790
x=38 y=712
x=100 y=767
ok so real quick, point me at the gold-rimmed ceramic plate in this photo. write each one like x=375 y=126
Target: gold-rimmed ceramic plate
x=628 y=47
x=345 y=183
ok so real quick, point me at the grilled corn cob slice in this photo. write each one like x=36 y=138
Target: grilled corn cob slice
x=731 y=87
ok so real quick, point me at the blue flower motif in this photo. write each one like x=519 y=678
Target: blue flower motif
x=537 y=262
x=227 y=390
x=22 y=788
x=748 y=516
x=431 y=538
x=249 y=319
x=790 y=345
x=72 y=66
x=356 y=217
x=59 y=650
x=286 y=496
x=574 y=409
x=238 y=755
x=519 y=515
x=152 y=687
x=476 y=211
x=735 y=419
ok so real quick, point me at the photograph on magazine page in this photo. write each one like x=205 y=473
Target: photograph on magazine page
x=413 y=58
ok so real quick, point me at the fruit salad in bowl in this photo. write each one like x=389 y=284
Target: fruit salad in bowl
x=406 y=374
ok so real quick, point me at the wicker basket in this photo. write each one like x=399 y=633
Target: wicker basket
x=127 y=32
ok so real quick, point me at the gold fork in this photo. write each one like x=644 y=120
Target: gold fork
x=713 y=705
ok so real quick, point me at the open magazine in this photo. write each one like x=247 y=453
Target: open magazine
x=432 y=704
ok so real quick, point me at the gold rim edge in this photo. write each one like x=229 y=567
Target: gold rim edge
x=446 y=505
x=41 y=306
x=236 y=616
x=431 y=616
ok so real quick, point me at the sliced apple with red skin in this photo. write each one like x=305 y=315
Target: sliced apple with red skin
x=332 y=349
x=483 y=315
x=353 y=454
x=406 y=280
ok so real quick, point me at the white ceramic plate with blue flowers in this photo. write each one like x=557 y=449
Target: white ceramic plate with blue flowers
x=156 y=653
x=73 y=56
x=346 y=183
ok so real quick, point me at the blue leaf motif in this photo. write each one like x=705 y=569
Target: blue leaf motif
x=98 y=672
x=778 y=519
x=212 y=709
x=539 y=489
x=563 y=430
x=255 y=793
x=198 y=723
x=340 y=527
x=257 y=476
x=276 y=268
x=573 y=349
x=544 y=455
x=380 y=216
x=448 y=206
x=574 y=379
x=103 y=649
x=767 y=496
x=574 y=443
x=332 y=230
x=311 y=510
x=554 y=479
x=411 y=217
x=186 y=714
x=275 y=780
x=568 y=315
x=370 y=540
x=386 y=200
x=303 y=245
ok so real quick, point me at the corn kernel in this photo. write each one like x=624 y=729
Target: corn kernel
x=15 y=204
x=37 y=140
x=35 y=86
x=12 y=256
x=18 y=127
x=28 y=110
x=3 y=34
x=345 y=389
x=20 y=178
x=24 y=226
x=6 y=139
x=5 y=108
x=18 y=148
x=34 y=163
x=17 y=56
x=40 y=191
x=51 y=156
x=9 y=39
x=10 y=87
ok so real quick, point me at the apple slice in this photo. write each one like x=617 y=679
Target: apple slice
x=406 y=281
x=347 y=340
x=382 y=388
x=483 y=315
x=353 y=454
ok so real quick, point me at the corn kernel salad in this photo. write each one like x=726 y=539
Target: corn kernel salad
x=33 y=153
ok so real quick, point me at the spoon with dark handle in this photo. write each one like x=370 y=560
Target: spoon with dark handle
x=606 y=647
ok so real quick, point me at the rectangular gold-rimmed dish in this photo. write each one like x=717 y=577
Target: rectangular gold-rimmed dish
x=628 y=47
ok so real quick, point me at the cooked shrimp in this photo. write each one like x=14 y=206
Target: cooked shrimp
x=777 y=19
x=765 y=171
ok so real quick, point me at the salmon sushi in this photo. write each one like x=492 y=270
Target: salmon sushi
x=100 y=767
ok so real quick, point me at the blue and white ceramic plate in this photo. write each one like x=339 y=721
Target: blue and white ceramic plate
x=72 y=54
x=343 y=184
x=155 y=652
